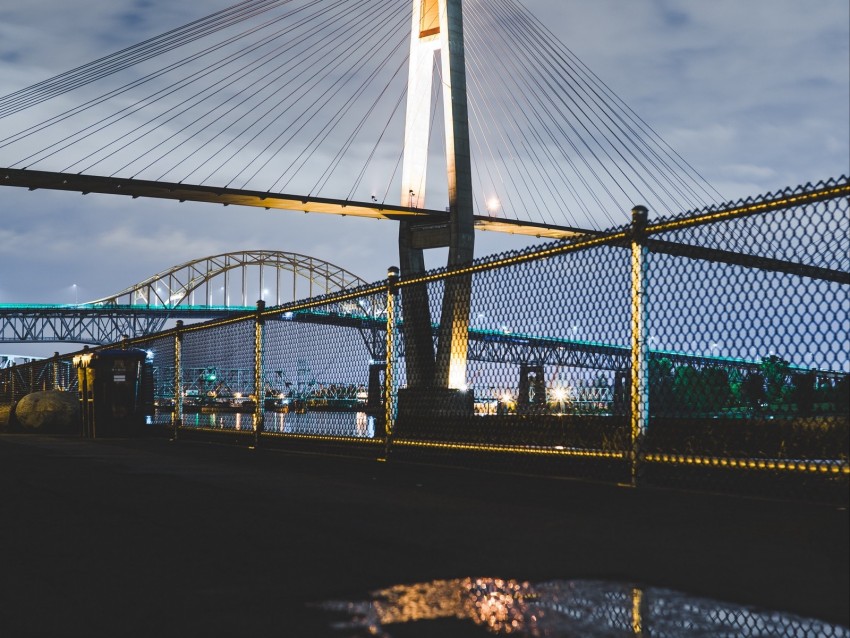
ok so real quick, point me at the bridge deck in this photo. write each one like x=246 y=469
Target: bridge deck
x=216 y=195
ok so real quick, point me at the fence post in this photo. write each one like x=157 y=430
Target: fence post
x=259 y=414
x=639 y=392
x=177 y=411
x=56 y=375
x=390 y=399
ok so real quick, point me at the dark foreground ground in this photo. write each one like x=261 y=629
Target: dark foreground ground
x=152 y=538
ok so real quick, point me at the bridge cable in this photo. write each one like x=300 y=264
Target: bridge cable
x=563 y=105
x=267 y=81
x=522 y=169
x=633 y=116
x=107 y=65
x=531 y=111
x=323 y=179
x=138 y=82
x=648 y=152
x=219 y=87
x=161 y=94
x=326 y=98
x=482 y=107
x=353 y=134
x=326 y=130
x=697 y=181
x=480 y=139
x=636 y=126
x=302 y=91
x=367 y=163
x=575 y=105
x=542 y=114
x=305 y=70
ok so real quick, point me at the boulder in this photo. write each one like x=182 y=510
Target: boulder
x=7 y=418
x=51 y=411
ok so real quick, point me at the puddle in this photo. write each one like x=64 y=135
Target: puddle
x=561 y=608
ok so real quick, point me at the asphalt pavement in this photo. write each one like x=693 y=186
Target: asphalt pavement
x=147 y=537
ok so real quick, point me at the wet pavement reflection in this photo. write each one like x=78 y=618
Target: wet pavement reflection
x=563 y=608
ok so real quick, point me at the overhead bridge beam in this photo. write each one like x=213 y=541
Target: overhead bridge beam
x=85 y=184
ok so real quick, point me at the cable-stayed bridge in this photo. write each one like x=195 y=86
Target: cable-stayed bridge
x=341 y=108
x=279 y=97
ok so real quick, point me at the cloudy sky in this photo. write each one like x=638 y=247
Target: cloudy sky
x=755 y=95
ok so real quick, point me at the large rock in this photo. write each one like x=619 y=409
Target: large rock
x=7 y=418
x=50 y=411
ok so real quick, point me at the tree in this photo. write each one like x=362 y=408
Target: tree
x=775 y=372
x=752 y=390
x=804 y=392
x=715 y=388
x=661 y=396
x=687 y=390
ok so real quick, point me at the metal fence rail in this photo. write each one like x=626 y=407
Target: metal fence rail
x=706 y=350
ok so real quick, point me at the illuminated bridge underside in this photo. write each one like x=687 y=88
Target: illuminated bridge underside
x=498 y=347
x=187 y=192
x=99 y=325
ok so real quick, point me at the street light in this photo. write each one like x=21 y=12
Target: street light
x=560 y=395
x=76 y=294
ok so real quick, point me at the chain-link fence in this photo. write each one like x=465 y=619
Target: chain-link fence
x=706 y=350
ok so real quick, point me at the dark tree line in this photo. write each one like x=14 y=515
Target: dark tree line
x=773 y=388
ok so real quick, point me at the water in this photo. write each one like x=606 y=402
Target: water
x=321 y=423
x=562 y=608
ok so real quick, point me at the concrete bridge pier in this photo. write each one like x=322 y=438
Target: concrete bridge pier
x=437 y=25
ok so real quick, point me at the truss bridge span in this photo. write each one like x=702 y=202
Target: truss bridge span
x=209 y=287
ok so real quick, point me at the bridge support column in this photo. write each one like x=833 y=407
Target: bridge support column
x=437 y=26
x=418 y=342
x=639 y=390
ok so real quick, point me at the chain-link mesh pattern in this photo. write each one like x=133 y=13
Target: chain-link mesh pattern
x=163 y=386
x=763 y=391
x=704 y=350
x=324 y=374
x=546 y=362
x=217 y=372
x=17 y=381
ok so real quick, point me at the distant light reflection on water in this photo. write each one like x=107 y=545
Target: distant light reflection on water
x=592 y=609
x=353 y=424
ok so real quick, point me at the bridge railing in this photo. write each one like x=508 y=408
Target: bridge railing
x=707 y=349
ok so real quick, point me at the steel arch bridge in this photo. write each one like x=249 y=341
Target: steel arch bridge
x=208 y=281
x=204 y=288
